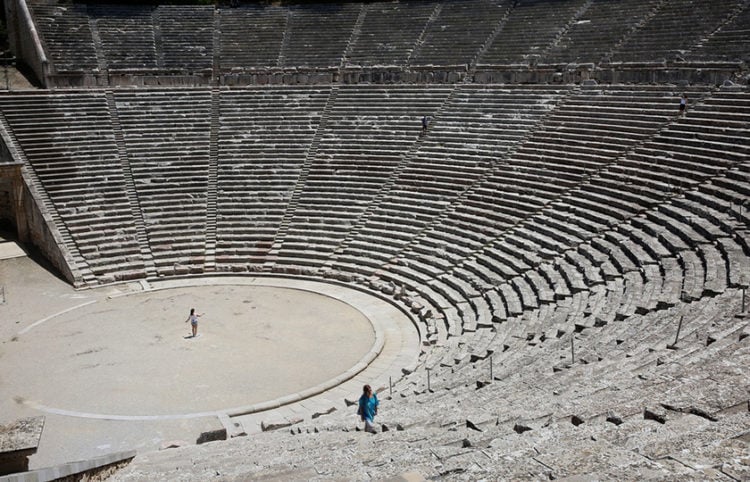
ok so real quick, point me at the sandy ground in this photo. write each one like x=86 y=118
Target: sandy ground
x=115 y=368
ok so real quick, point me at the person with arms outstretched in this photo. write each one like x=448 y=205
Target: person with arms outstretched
x=193 y=319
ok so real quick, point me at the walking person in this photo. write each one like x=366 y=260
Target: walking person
x=368 y=408
x=425 y=123
x=683 y=104
x=193 y=319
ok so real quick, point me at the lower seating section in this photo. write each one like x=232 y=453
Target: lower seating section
x=480 y=126
x=514 y=198
x=166 y=139
x=593 y=240
x=368 y=132
x=69 y=144
x=263 y=141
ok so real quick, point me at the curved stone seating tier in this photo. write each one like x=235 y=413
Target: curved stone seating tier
x=166 y=138
x=501 y=222
x=258 y=46
x=389 y=33
x=674 y=29
x=126 y=34
x=263 y=140
x=530 y=29
x=459 y=31
x=68 y=141
x=67 y=35
x=730 y=43
x=317 y=35
x=368 y=131
x=598 y=30
x=161 y=40
x=478 y=126
x=551 y=144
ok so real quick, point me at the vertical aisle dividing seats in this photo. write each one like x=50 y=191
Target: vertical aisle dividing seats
x=166 y=134
x=69 y=143
x=264 y=137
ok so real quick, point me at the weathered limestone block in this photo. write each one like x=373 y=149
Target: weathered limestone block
x=18 y=441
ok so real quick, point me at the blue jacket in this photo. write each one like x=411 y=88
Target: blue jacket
x=368 y=407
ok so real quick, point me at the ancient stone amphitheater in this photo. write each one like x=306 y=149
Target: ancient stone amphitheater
x=570 y=249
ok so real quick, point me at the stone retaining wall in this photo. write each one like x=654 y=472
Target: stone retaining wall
x=24 y=39
x=34 y=228
x=686 y=73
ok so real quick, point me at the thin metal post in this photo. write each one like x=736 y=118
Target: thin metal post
x=390 y=385
x=679 y=327
x=743 y=300
x=491 y=378
x=572 y=351
x=429 y=389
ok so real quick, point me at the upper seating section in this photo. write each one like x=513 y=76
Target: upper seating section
x=126 y=34
x=530 y=30
x=675 y=28
x=174 y=39
x=318 y=34
x=459 y=31
x=186 y=33
x=251 y=36
x=731 y=42
x=390 y=32
x=597 y=31
x=67 y=35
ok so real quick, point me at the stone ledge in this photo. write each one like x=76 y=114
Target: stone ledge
x=78 y=468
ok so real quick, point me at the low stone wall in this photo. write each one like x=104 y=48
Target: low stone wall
x=668 y=73
x=622 y=73
x=9 y=175
x=99 y=468
x=34 y=228
x=18 y=441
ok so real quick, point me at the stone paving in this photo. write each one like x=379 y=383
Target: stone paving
x=115 y=369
